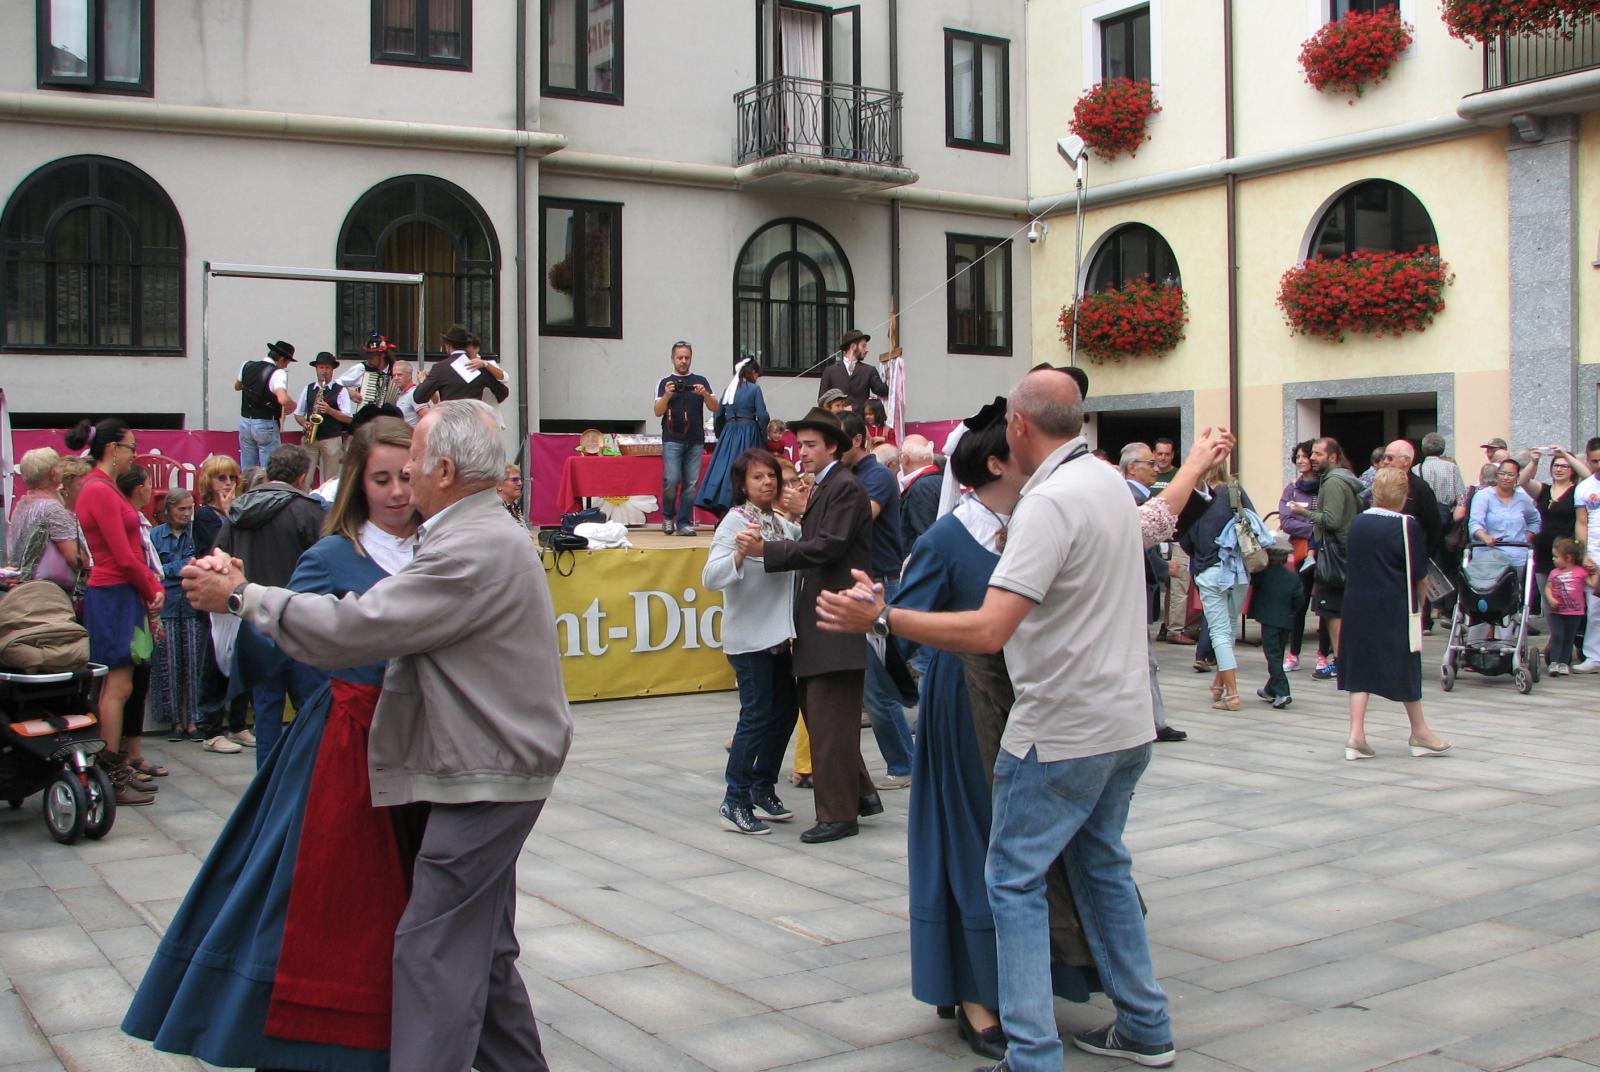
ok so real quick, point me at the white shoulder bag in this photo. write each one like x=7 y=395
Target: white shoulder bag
x=1413 y=609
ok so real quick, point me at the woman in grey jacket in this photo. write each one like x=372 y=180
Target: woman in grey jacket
x=757 y=627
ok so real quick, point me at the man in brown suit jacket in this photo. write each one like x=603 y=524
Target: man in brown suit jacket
x=835 y=538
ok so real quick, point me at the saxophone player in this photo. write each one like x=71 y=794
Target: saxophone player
x=324 y=413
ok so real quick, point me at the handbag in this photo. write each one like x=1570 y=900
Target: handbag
x=572 y=520
x=1413 y=608
x=1250 y=549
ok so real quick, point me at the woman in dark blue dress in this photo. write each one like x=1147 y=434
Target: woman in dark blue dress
x=953 y=955
x=226 y=985
x=740 y=424
x=1375 y=653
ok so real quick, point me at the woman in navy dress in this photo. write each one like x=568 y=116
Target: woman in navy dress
x=740 y=424
x=953 y=955
x=1374 y=648
x=280 y=954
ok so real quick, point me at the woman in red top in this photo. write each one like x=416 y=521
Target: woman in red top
x=122 y=590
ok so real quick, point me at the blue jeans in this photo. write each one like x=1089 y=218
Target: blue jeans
x=882 y=701
x=767 y=711
x=1222 y=606
x=265 y=674
x=680 y=472
x=258 y=438
x=1079 y=806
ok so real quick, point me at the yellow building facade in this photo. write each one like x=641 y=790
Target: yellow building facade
x=1503 y=160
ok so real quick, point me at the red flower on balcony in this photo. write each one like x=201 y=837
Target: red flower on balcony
x=1374 y=293
x=1137 y=319
x=1356 y=51
x=1485 y=20
x=1111 y=116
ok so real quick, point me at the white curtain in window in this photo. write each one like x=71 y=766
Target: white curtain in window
x=800 y=37
x=963 y=80
x=560 y=64
x=122 y=37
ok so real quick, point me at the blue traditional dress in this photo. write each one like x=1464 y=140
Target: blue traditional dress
x=740 y=425
x=216 y=988
x=953 y=955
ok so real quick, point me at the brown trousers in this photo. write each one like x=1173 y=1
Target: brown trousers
x=832 y=703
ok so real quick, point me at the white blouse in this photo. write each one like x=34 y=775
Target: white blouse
x=391 y=553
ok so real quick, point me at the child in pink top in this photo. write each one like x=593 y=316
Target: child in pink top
x=1565 y=603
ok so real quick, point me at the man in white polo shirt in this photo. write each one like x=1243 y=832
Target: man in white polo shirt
x=1067 y=605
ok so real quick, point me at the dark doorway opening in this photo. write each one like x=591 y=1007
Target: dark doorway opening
x=1115 y=429
x=1363 y=425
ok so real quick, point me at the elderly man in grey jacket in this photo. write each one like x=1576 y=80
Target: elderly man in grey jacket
x=473 y=719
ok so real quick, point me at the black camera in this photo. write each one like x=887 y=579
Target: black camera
x=683 y=385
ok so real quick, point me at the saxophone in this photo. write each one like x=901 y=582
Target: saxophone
x=313 y=426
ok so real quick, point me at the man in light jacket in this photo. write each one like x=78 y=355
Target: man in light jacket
x=473 y=718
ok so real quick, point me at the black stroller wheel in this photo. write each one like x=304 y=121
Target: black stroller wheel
x=1447 y=678
x=66 y=808
x=15 y=804
x=102 y=801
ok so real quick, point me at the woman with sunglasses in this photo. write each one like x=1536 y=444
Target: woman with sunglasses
x=1558 y=511
x=510 y=492
x=122 y=591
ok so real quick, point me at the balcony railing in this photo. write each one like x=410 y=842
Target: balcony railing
x=823 y=119
x=1508 y=61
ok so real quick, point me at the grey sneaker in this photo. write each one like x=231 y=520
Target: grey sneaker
x=741 y=820
x=1106 y=1042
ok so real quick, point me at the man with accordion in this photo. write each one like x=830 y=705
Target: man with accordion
x=324 y=412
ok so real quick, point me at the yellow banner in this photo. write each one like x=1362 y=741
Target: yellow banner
x=636 y=622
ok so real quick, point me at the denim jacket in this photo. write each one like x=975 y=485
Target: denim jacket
x=175 y=549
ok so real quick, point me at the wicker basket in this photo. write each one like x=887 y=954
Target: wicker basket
x=639 y=446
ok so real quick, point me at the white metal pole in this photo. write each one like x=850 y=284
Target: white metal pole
x=205 y=346
x=1077 y=256
x=422 y=344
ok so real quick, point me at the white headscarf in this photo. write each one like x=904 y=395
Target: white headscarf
x=950 y=492
x=733 y=385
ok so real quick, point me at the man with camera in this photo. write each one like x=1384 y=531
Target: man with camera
x=681 y=401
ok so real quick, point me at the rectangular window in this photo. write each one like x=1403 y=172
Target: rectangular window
x=978 y=302
x=105 y=46
x=977 y=92
x=1125 y=45
x=1337 y=9
x=582 y=45
x=580 y=259
x=423 y=33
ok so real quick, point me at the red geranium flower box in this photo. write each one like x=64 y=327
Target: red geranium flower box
x=1356 y=51
x=1485 y=20
x=1374 y=293
x=1111 y=116
x=1139 y=318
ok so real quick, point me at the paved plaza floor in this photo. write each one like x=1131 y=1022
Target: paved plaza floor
x=1307 y=914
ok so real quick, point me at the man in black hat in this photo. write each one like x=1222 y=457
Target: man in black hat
x=835 y=538
x=852 y=375
x=462 y=374
x=265 y=386
x=324 y=413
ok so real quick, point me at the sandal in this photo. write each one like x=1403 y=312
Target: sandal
x=146 y=768
x=1228 y=701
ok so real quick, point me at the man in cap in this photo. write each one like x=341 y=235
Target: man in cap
x=1492 y=447
x=264 y=384
x=852 y=375
x=324 y=439
x=834 y=401
x=835 y=538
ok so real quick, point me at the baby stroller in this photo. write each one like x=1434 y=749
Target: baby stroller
x=49 y=734
x=1492 y=595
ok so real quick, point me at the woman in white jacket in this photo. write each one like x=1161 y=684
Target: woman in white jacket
x=757 y=627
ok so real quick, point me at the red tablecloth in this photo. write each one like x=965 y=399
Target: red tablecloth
x=586 y=476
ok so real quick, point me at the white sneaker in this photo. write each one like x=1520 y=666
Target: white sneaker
x=1560 y=670
x=1588 y=666
x=244 y=737
x=221 y=744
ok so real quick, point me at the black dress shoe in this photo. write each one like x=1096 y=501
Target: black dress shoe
x=990 y=1043
x=1167 y=733
x=946 y=1012
x=830 y=832
x=869 y=804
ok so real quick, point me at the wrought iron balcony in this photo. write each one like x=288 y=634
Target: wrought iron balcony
x=1509 y=61
x=791 y=116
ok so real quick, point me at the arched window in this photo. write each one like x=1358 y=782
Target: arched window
x=1373 y=215
x=793 y=296
x=91 y=260
x=1130 y=252
x=418 y=223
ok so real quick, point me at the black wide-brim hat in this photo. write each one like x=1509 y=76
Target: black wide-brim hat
x=325 y=358
x=820 y=420
x=851 y=336
x=282 y=349
x=456 y=335
x=1080 y=377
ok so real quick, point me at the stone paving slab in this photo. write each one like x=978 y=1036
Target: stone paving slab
x=1306 y=914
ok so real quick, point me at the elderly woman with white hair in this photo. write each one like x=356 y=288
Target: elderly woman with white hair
x=43 y=538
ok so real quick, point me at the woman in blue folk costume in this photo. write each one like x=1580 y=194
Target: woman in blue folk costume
x=740 y=424
x=280 y=956
x=953 y=956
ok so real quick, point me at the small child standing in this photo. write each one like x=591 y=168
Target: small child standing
x=1564 y=598
x=1276 y=597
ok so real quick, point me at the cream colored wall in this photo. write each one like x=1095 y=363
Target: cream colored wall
x=1192 y=224
x=1589 y=243
x=1274 y=105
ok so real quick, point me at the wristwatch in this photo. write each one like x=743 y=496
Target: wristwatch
x=236 y=600
x=880 y=626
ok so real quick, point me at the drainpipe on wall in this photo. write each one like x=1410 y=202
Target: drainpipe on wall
x=894 y=206
x=1231 y=223
x=521 y=255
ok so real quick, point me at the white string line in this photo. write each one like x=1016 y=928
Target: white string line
x=930 y=292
